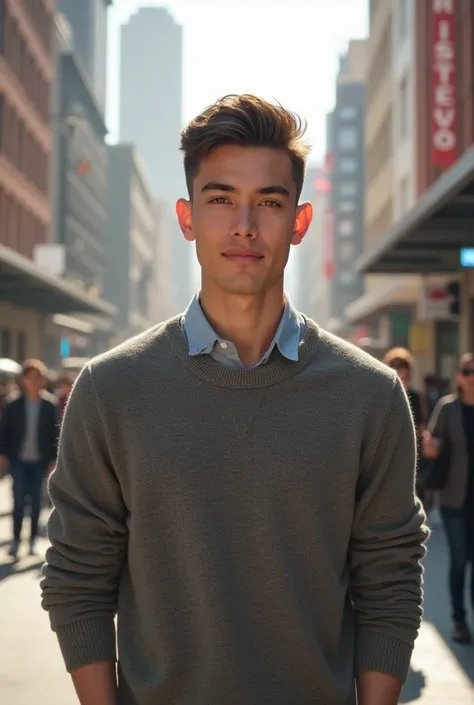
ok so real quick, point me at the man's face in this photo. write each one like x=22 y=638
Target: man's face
x=244 y=218
x=33 y=382
x=466 y=378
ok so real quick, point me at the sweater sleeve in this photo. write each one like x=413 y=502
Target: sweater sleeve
x=88 y=535
x=387 y=544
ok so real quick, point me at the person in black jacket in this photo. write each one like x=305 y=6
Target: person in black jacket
x=28 y=443
x=401 y=360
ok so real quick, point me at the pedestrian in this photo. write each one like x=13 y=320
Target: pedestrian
x=236 y=484
x=401 y=360
x=450 y=440
x=63 y=390
x=28 y=440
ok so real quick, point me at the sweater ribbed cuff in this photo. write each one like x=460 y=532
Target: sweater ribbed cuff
x=382 y=653
x=87 y=641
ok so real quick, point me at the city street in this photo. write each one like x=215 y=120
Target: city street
x=31 y=671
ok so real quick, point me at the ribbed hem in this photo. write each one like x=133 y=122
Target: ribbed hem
x=87 y=641
x=383 y=653
x=205 y=367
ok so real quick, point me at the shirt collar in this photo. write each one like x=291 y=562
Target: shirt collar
x=202 y=337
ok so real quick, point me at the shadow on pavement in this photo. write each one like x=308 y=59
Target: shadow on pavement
x=13 y=568
x=437 y=607
x=413 y=688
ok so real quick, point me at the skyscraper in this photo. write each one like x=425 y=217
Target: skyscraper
x=151 y=118
x=88 y=20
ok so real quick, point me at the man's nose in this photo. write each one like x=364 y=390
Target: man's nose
x=245 y=224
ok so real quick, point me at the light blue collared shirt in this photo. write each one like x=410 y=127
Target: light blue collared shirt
x=203 y=340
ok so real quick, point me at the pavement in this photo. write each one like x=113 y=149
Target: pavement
x=32 y=672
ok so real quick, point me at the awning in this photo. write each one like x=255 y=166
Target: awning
x=23 y=283
x=396 y=291
x=428 y=239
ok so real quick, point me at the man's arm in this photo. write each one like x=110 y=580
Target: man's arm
x=385 y=554
x=88 y=535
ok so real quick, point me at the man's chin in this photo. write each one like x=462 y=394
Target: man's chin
x=242 y=286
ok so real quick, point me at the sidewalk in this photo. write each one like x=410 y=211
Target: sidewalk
x=31 y=670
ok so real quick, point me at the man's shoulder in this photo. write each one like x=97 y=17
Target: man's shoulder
x=49 y=398
x=13 y=399
x=353 y=363
x=134 y=354
x=448 y=401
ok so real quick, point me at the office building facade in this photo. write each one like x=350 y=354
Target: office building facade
x=345 y=165
x=132 y=243
x=88 y=20
x=151 y=83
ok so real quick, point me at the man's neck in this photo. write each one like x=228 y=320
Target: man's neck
x=249 y=322
x=32 y=396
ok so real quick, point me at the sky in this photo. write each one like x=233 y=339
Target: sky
x=280 y=49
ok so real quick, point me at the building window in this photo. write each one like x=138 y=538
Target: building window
x=403 y=10
x=5 y=340
x=21 y=348
x=347 y=138
x=345 y=228
x=346 y=207
x=348 y=189
x=347 y=113
x=404 y=196
x=347 y=251
x=348 y=165
x=404 y=104
x=347 y=278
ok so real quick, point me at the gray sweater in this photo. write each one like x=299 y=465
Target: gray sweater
x=255 y=531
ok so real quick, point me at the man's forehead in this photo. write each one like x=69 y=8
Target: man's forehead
x=261 y=166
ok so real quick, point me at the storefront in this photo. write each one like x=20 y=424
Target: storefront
x=29 y=300
x=428 y=241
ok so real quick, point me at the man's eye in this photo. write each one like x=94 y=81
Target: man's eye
x=219 y=200
x=271 y=204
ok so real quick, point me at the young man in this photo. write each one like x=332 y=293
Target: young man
x=28 y=439
x=236 y=484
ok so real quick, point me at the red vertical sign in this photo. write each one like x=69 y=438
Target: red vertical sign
x=329 y=243
x=443 y=84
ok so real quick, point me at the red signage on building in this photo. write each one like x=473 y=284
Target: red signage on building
x=443 y=84
x=329 y=243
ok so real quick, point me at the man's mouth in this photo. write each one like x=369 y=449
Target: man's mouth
x=242 y=256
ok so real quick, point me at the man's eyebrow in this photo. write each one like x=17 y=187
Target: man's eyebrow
x=217 y=186
x=276 y=188
x=265 y=191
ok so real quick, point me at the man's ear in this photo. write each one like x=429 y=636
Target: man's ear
x=304 y=216
x=185 y=220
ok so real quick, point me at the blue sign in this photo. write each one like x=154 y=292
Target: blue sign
x=467 y=257
x=64 y=348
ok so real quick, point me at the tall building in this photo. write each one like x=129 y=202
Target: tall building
x=419 y=206
x=28 y=293
x=346 y=163
x=88 y=20
x=79 y=195
x=151 y=78
x=132 y=272
x=390 y=176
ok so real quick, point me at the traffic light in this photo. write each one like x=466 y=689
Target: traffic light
x=454 y=290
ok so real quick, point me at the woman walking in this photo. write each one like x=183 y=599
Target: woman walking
x=450 y=441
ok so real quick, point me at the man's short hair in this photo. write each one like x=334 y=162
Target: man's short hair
x=399 y=357
x=247 y=121
x=33 y=365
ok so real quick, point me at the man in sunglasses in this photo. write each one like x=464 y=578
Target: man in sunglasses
x=451 y=431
